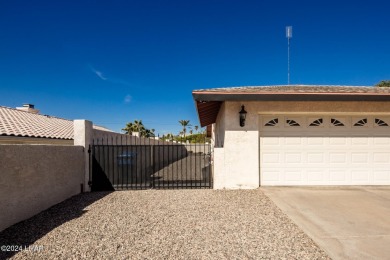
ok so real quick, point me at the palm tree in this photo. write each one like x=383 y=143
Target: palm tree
x=184 y=124
x=148 y=133
x=191 y=132
x=196 y=128
x=169 y=136
x=138 y=126
x=129 y=128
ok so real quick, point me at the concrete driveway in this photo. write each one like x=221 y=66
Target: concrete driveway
x=346 y=222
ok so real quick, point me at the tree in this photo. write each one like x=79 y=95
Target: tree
x=196 y=128
x=168 y=136
x=383 y=83
x=148 y=133
x=184 y=124
x=138 y=126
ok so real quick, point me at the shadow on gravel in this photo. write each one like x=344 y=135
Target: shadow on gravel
x=25 y=233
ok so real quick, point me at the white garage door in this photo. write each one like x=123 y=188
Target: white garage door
x=324 y=150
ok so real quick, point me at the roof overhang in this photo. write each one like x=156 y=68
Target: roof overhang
x=277 y=96
x=207 y=111
x=208 y=103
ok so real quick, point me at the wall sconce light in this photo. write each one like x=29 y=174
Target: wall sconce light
x=242 y=116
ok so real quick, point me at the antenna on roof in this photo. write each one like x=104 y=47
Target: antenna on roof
x=289 y=36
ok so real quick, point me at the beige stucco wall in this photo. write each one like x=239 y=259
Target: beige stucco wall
x=319 y=106
x=104 y=137
x=236 y=151
x=36 y=177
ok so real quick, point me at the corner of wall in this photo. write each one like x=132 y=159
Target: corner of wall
x=83 y=135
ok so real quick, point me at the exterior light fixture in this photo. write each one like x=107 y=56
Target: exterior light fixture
x=242 y=116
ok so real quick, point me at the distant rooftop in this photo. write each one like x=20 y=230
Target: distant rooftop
x=14 y=122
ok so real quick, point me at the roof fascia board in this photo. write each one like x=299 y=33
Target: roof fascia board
x=291 y=97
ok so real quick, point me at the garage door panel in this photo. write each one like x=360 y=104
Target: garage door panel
x=338 y=157
x=360 y=176
x=382 y=175
x=271 y=141
x=293 y=141
x=315 y=157
x=325 y=154
x=316 y=141
x=292 y=157
x=338 y=141
x=381 y=157
x=271 y=176
x=381 y=141
x=360 y=158
x=338 y=175
x=271 y=157
x=360 y=140
x=293 y=175
x=317 y=175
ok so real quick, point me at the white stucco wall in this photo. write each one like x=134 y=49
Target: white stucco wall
x=236 y=163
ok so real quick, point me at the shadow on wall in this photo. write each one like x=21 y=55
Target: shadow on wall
x=166 y=155
x=25 y=233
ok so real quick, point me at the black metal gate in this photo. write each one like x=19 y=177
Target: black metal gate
x=149 y=164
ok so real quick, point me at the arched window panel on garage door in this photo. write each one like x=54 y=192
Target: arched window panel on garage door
x=295 y=122
x=360 y=122
x=315 y=122
x=339 y=122
x=270 y=121
x=381 y=121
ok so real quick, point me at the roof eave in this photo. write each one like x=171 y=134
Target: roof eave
x=274 y=96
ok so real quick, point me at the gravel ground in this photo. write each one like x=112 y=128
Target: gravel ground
x=162 y=224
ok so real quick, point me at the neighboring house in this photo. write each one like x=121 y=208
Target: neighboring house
x=25 y=126
x=298 y=135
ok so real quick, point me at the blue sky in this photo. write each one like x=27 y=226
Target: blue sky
x=116 y=61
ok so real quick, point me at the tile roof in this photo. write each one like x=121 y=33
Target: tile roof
x=326 y=89
x=15 y=122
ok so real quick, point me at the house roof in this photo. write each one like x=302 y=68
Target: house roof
x=15 y=122
x=208 y=101
x=302 y=91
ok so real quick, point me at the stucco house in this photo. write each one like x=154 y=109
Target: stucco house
x=24 y=125
x=298 y=135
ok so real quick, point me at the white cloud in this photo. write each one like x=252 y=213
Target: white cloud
x=100 y=75
x=128 y=99
x=97 y=73
x=110 y=79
